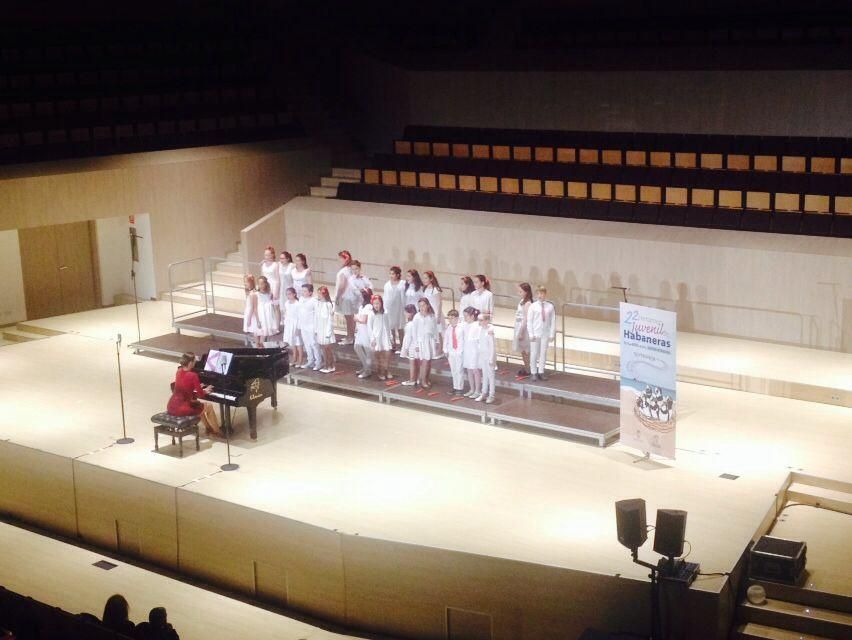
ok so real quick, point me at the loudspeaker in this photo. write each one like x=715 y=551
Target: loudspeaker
x=669 y=532
x=630 y=520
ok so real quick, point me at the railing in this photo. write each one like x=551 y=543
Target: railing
x=173 y=290
x=565 y=335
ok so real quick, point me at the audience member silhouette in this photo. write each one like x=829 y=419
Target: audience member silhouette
x=157 y=627
x=116 y=615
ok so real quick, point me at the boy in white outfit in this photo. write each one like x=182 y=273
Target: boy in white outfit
x=487 y=358
x=453 y=348
x=541 y=325
x=308 y=328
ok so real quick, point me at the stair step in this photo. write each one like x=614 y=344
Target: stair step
x=231 y=266
x=340 y=172
x=800 y=618
x=323 y=192
x=226 y=277
x=822 y=492
x=754 y=631
x=234 y=256
x=43 y=331
x=334 y=181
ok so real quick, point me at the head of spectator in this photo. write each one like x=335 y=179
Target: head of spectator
x=117 y=614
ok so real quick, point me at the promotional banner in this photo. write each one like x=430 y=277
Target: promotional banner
x=648 y=379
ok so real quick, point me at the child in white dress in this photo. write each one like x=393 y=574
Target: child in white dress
x=267 y=311
x=466 y=288
x=454 y=349
x=290 y=319
x=486 y=358
x=269 y=270
x=426 y=345
x=521 y=337
x=300 y=272
x=251 y=321
x=413 y=288
x=363 y=346
x=470 y=352
x=325 y=328
x=482 y=298
x=381 y=340
x=346 y=304
x=285 y=277
x=432 y=292
x=394 y=305
x=308 y=329
x=408 y=349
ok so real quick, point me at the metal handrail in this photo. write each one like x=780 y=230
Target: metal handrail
x=580 y=305
x=172 y=289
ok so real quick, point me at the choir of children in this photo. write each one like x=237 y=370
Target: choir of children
x=407 y=319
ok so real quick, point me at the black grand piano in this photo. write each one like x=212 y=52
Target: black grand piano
x=250 y=379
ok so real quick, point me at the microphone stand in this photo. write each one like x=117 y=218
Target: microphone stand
x=230 y=466
x=655 y=594
x=133 y=238
x=124 y=439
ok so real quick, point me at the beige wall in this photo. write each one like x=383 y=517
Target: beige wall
x=13 y=305
x=788 y=289
x=198 y=199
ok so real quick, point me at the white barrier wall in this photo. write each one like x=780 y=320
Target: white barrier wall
x=787 y=289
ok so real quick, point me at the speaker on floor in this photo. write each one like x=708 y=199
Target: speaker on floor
x=669 y=532
x=630 y=520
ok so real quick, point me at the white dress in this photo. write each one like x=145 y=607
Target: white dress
x=362 y=332
x=356 y=285
x=270 y=271
x=464 y=302
x=249 y=318
x=482 y=300
x=409 y=342
x=324 y=322
x=285 y=278
x=290 y=313
x=379 y=331
x=433 y=295
x=300 y=278
x=394 y=299
x=470 y=354
x=346 y=304
x=521 y=337
x=268 y=319
x=413 y=297
x=426 y=336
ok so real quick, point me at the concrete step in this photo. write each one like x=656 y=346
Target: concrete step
x=334 y=181
x=807 y=596
x=188 y=297
x=799 y=618
x=234 y=256
x=14 y=334
x=340 y=172
x=231 y=266
x=227 y=277
x=754 y=631
x=324 y=192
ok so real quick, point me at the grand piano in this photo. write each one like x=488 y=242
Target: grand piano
x=251 y=378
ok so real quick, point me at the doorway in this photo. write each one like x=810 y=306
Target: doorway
x=58 y=266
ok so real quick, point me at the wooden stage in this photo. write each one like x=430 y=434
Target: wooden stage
x=387 y=518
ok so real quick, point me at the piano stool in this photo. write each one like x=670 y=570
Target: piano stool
x=176 y=427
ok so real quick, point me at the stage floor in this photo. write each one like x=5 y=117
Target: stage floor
x=399 y=473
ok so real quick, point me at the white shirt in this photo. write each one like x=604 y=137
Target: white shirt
x=541 y=320
x=458 y=329
x=482 y=300
x=300 y=278
x=486 y=347
x=307 y=315
x=362 y=332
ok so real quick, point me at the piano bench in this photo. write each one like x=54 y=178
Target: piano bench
x=176 y=427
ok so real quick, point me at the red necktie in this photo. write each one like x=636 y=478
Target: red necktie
x=455 y=342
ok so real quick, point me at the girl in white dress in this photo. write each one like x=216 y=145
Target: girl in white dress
x=251 y=321
x=357 y=283
x=486 y=354
x=413 y=288
x=521 y=337
x=482 y=298
x=267 y=311
x=409 y=342
x=470 y=354
x=363 y=347
x=301 y=273
x=285 y=278
x=466 y=288
x=269 y=270
x=345 y=303
x=381 y=340
x=394 y=305
x=433 y=292
x=426 y=345
x=290 y=319
x=325 y=328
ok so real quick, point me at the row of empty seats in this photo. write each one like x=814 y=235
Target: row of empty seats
x=564 y=174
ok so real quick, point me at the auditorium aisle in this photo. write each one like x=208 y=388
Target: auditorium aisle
x=62 y=575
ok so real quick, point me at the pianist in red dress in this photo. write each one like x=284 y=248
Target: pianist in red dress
x=187 y=394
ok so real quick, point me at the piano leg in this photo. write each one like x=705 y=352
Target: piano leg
x=274 y=393
x=252 y=416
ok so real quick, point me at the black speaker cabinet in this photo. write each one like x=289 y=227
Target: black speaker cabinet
x=669 y=532
x=630 y=520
